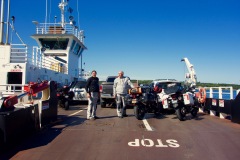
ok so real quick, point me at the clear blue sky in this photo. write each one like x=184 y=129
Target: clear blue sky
x=148 y=38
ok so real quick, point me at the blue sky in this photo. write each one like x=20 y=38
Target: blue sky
x=148 y=38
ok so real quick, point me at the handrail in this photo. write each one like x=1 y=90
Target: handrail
x=20 y=54
x=11 y=89
x=57 y=28
x=220 y=91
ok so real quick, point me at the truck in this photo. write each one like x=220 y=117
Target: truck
x=106 y=92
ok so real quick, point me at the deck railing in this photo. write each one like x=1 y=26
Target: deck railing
x=11 y=89
x=20 y=54
x=220 y=91
x=57 y=28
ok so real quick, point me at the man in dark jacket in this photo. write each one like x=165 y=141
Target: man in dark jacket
x=92 y=89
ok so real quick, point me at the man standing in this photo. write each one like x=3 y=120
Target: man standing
x=120 y=89
x=92 y=89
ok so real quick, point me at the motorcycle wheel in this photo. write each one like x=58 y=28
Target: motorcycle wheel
x=66 y=105
x=181 y=113
x=139 y=112
x=194 y=112
x=60 y=104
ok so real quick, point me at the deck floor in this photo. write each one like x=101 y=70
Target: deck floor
x=73 y=137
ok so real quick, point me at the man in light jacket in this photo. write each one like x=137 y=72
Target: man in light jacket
x=120 y=90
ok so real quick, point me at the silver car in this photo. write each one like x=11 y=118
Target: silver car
x=79 y=90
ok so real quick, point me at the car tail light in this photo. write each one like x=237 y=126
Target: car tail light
x=100 y=88
x=174 y=97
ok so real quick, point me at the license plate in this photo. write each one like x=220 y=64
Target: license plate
x=106 y=95
x=134 y=101
x=81 y=90
x=165 y=106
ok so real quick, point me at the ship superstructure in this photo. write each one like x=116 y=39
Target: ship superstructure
x=57 y=57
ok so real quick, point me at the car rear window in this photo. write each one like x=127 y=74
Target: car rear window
x=80 y=84
x=111 y=79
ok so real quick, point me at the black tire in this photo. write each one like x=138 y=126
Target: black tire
x=60 y=104
x=157 y=113
x=181 y=113
x=103 y=104
x=66 y=105
x=194 y=112
x=1 y=141
x=139 y=112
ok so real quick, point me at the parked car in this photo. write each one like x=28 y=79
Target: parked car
x=79 y=90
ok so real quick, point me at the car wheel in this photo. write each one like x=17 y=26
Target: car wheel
x=102 y=103
x=158 y=110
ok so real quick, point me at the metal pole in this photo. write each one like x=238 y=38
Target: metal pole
x=45 y=31
x=7 y=42
x=2 y=21
x=81 y=66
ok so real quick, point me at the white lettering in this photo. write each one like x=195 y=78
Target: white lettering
x=149 y=144
x=134 y=144
x=172 y=143
x=160 y=144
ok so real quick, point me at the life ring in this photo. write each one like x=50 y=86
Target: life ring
x=202 y=95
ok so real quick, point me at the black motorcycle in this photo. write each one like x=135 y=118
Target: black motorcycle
x=65 y=96
x=144 y=101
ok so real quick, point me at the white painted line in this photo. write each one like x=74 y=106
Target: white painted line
x=75 y=113
x=148 y=127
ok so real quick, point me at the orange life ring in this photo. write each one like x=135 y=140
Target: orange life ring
x=202 y=95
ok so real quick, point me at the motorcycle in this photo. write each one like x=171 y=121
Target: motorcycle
x=173 y=96
x=65 y=96
x=144 y=101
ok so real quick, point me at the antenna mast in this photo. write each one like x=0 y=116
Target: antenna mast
x=62 y=6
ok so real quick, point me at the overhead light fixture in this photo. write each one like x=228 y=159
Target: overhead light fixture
x=35 y=22
x=71 y=18
x=13 y=18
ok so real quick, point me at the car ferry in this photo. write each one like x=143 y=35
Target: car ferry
x=58 y=56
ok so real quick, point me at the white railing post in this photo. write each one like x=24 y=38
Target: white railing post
x=231 y=92
x=219 y=92
x=211 y=92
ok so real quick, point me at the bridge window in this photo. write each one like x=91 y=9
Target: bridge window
x=77 y=49
x=73 y=43
x=54 y=43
